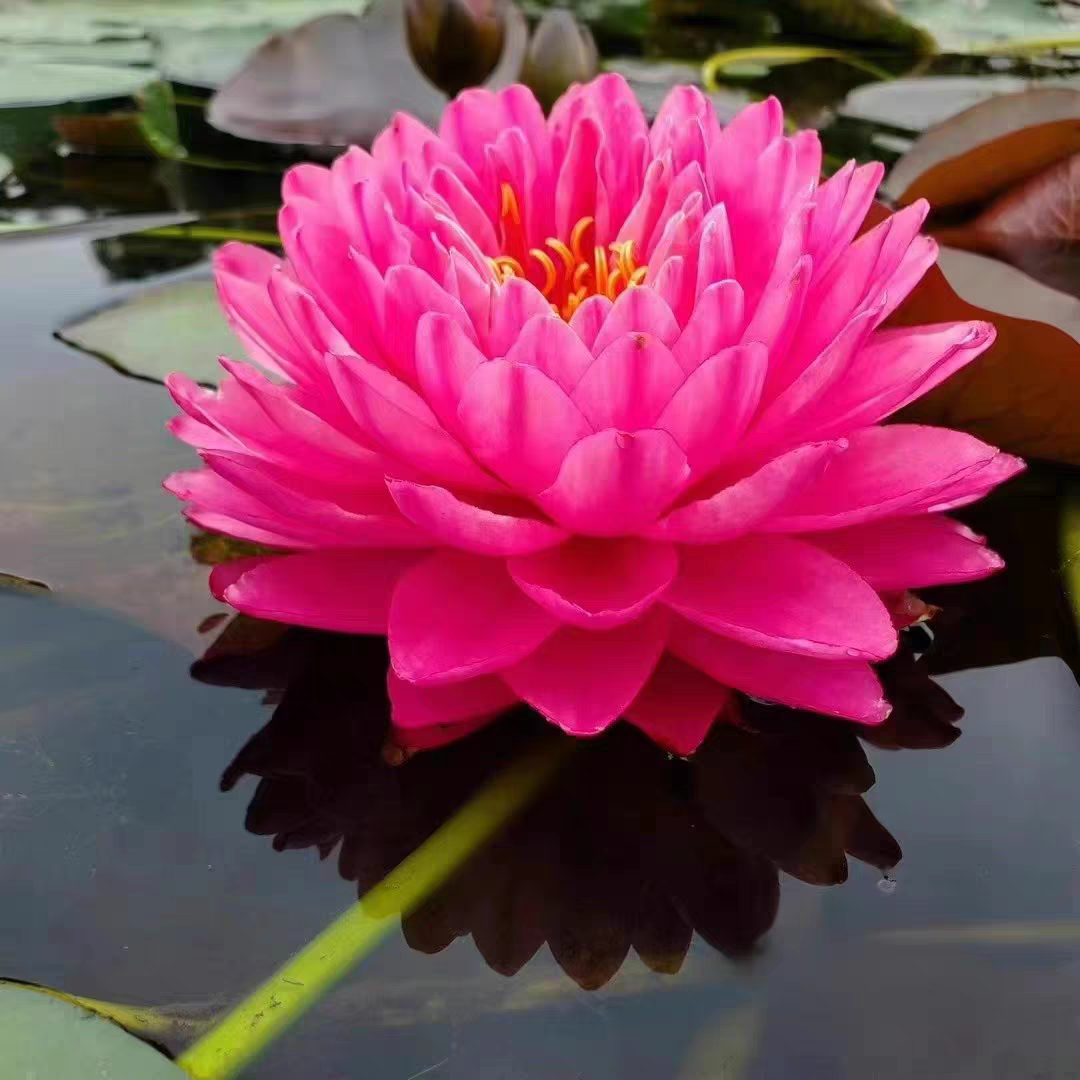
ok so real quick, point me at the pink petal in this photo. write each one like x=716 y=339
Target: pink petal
x=519 y=423
x=428 y=706
x=410 y=293
x=894 y=470
x=588 y=319
x=846 y=688
x=742 y=506
x=597 y=584
x=775 y=592
x=716 y=323
x=716 y=250
x=583 y=680
x=733 y=157
x=710 y=411
x=455 y=616
x=912 y=553
x=628 y=383
x=898 y=366
x=841 y=206
x=242 y=272
x=513 y=304
x=445 y=358
x=637 y=311
x=685 y=125
x=550 y=344
x=612 y=483
x=575 y=187
x=460 y=524
x=323 y=521
x=333 y=590
x=400 y=421
x=679 y=705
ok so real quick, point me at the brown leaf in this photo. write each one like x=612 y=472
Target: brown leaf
x=988 y=148
x=1022 y=394
x=1036 y=227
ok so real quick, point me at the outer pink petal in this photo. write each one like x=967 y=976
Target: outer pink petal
x=912 y=553
x=847 y=688
x=597 y=584
x=734 y=156
x=438 y=734
x=896 y=470
x=898 y=366
x=583 y=680
x=324 y=521
x=332 y=590
x=775 y=592
x=519 y=423
x=628 y=383
x=513 y=304
x=707 y=415
x=678 y=706
x=428 y=706
x=742 y=506
x=613 y=483
x=461 y=524
x=456 y=616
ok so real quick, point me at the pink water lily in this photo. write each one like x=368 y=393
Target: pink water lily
x=586 y=413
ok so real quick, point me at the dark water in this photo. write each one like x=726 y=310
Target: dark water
x=737 y=916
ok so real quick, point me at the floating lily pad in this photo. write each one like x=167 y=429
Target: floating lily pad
x=968 y=25
x=176 y=327
x=21 y=584
x=46 y=1035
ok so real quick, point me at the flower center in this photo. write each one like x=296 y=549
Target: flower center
x=570 y=273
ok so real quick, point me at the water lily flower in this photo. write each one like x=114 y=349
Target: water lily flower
x=585 y=412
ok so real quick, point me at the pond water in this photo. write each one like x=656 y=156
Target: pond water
x=180 y=812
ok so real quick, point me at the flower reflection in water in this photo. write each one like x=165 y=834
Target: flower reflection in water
x=628 y=849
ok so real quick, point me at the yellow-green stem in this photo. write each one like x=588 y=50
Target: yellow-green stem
x=249 y=1028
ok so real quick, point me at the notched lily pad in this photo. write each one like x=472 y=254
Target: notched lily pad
x=46 y=1035
x=176 y=327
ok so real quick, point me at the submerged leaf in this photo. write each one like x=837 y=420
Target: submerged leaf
x=176 y=327
x=988 y=148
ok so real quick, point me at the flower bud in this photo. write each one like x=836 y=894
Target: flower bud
x=561 y=52
x=456 y=43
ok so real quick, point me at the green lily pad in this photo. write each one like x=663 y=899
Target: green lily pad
x=46 y=1035
x=176 y=327
x=963 y=26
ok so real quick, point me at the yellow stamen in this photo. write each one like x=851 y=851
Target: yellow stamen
x=550 y=274
x=577 y=271
x=600 y=268
x=564 y=253
x=509 y=209
x=576 y=234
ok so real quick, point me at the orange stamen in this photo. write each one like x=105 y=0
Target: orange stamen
x=577 y=272
x=550 y=273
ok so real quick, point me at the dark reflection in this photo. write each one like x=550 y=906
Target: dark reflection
x=626 y=849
